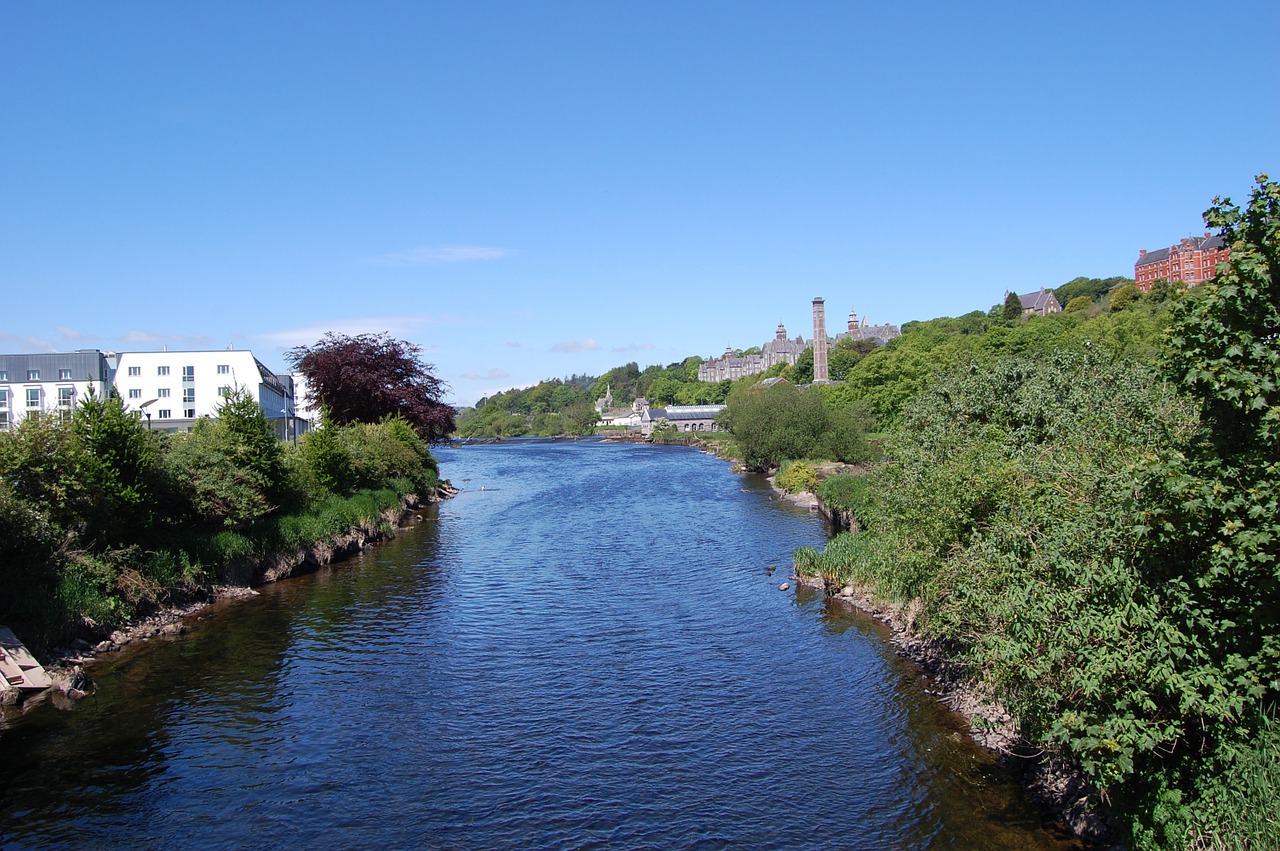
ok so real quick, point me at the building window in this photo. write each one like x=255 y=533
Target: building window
x=33 y=375
x=162 y=370
x=66 y=395
x=224 y=392
x=188 y=373
x=33 y=398
x=162 y=393
x=188 y=395
x=135 y=370
x=135 y=393
x=4 y=375
x=189 y=413
x=64 y=375
x=164 y=413
x=223 y=369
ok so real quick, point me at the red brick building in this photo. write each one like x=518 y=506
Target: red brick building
x=1194 y=260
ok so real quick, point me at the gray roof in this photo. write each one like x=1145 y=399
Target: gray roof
x=1194 y=243
x=686 y=412
x=85 y=365
x=1038 y=301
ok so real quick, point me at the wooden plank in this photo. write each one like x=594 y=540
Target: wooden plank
x=18 y=667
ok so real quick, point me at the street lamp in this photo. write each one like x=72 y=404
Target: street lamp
x=143 y=409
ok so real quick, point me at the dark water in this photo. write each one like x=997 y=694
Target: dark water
x=581 y=650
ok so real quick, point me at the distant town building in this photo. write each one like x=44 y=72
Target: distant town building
x=864 y=330
x=683 y=417
x=782 y=350
x=1192 y=261
x=605 y=402
x=630 y=418
x=731 y=367
x=1040 y=303
x=50 y=382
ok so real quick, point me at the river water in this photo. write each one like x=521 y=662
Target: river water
x=583 y=649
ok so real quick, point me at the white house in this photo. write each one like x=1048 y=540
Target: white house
x=50 y=382
x=174 y=389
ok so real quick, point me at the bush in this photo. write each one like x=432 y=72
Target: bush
x=781 y=422
x=999 y=520
x=846 y=493
x=797 y=477
x=1123 y=297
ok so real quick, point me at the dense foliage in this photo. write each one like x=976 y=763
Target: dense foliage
x=780 y=422
x=101 y=518
x=368 y=377
x=548 y=409
x=1096 y=535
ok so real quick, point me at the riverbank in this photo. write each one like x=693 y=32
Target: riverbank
x=1054 y=782
x=68 y=667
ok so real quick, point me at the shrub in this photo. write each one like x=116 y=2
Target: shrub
x=797 y=477
x=1123 y=297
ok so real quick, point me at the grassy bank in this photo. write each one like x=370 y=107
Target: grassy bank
x=102 y=521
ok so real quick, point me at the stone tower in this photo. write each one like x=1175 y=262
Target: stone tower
x=819 y=342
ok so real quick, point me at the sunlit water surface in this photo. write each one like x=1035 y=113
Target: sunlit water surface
x=583 y=649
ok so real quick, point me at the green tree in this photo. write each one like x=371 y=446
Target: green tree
x=801 y=371
x=42 y=462
x=1012 y=311
x=1215 y=528
x=1123 y=297
x=581 y=417
x=781 y=422
x=120 y=469
x=1093 y=288
x=1080 y=302
x=231 y=469
x=325 y=461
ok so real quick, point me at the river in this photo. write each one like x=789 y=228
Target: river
x=583 y=649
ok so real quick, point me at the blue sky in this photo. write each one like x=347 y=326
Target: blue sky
x=534 y=189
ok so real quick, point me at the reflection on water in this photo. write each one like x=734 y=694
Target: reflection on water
x=582 y=649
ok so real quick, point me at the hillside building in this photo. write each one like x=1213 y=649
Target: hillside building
x=1192 y=261
x=861 y=329
x=731 y=367
x=1040 y=303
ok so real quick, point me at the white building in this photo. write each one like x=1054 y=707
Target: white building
x=304 y=406
x=50 y=382
x=174 y=389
